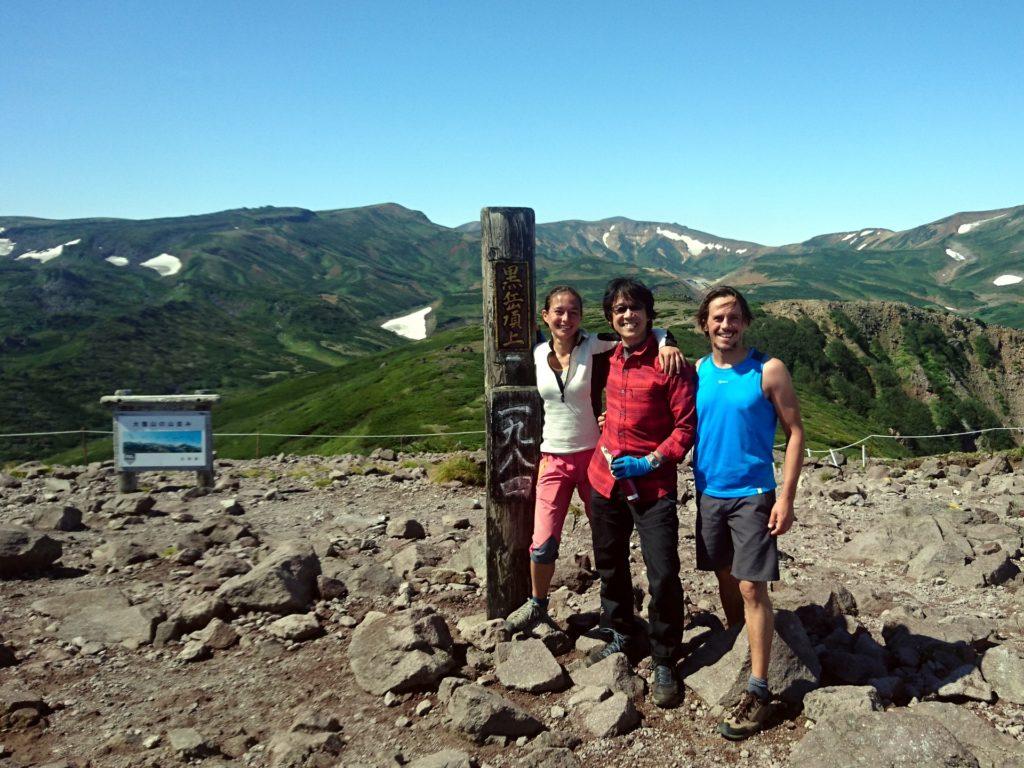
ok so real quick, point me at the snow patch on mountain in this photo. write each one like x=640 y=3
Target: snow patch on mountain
x=165 y=264
x=49 y=253
x=671 y=235
x=954 y=255
x=963 y=229
x=1007 y=280
x=861 y=246
x=6 y=246
x=607 y=235
x=411 y=326
x=741 y=251
x=852 y=234
x=694 y=246
x=117 y=261
x=865 y=233
x=44 y=255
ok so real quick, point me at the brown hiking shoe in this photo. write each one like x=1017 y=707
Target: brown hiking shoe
x=746 y=718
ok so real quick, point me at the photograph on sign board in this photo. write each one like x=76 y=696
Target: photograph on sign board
x=150 y=441
x=162 y=440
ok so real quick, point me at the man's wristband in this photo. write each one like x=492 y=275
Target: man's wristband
x=655 y=462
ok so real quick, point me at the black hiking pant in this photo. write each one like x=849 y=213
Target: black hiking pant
x=658 y=525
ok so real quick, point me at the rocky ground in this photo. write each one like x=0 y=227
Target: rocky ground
x=331 y=612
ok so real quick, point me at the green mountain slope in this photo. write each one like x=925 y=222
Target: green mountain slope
x=859 y=368
x=952 y=263
x=277 y=293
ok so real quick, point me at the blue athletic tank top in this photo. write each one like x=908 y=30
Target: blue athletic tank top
x=732 y=456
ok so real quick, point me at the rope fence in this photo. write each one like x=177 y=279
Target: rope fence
x=401 y=438
x=831 y=452
x=242 y=434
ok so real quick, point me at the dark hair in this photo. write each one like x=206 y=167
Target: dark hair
x=721 y=292
x=631 y=290
x=562 y=289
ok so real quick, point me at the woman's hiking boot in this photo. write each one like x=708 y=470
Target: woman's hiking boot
x=526 y=617
x=746 y=718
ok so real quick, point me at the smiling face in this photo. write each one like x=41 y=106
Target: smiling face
x=629 y=320
x=725 y=325
x=562 y=316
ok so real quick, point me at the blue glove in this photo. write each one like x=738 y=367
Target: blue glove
x=630 y=466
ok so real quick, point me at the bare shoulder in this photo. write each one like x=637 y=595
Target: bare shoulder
x=775 y=374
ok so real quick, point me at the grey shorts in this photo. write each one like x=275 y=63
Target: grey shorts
x=733 y=533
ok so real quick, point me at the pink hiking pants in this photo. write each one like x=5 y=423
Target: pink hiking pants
x=558 y=477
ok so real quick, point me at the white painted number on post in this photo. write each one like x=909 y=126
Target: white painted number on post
x=512 y=465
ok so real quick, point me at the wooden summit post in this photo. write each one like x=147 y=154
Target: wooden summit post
x=515 y=411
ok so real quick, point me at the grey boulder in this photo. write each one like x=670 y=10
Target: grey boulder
x=991 y=748
x=102 y=615
x=718 y=671
x=297 y=627
x=482 y=633
x=528 y=665
x=550 y=757
x=612 y=717
x=1003 y=668
x=58 y=518
x=400 y=652
x=446 y=758
x=284 y=582
x=966 y=682
x=480 y=713
x=121 y=553
x=23 y=551
x=894 y=739
x=613 y=673
x=824 y=703
x=406 y=528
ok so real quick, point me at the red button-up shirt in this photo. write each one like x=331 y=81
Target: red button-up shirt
x=647 y=410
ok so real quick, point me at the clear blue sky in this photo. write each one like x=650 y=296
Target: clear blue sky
x=764 y=121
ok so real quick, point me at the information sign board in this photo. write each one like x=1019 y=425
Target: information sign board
x=153 y=440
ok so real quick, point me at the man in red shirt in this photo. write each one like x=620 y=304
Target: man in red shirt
x=649 y=426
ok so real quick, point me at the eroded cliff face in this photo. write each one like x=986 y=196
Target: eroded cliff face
x=999 y=385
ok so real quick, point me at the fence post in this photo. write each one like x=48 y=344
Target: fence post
x=127 y=482
x=863 y=455
x=85 y=448
x=257 y=445
x=514 y=408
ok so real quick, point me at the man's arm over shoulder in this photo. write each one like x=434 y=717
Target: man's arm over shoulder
x=682 y=402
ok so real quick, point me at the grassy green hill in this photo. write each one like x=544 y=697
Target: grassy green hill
x=276 y=294
x=951 y=263
x=436 y=385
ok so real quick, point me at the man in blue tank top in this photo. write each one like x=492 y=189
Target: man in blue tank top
x=742 y=395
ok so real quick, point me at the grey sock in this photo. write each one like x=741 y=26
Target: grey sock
x=759 y=687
